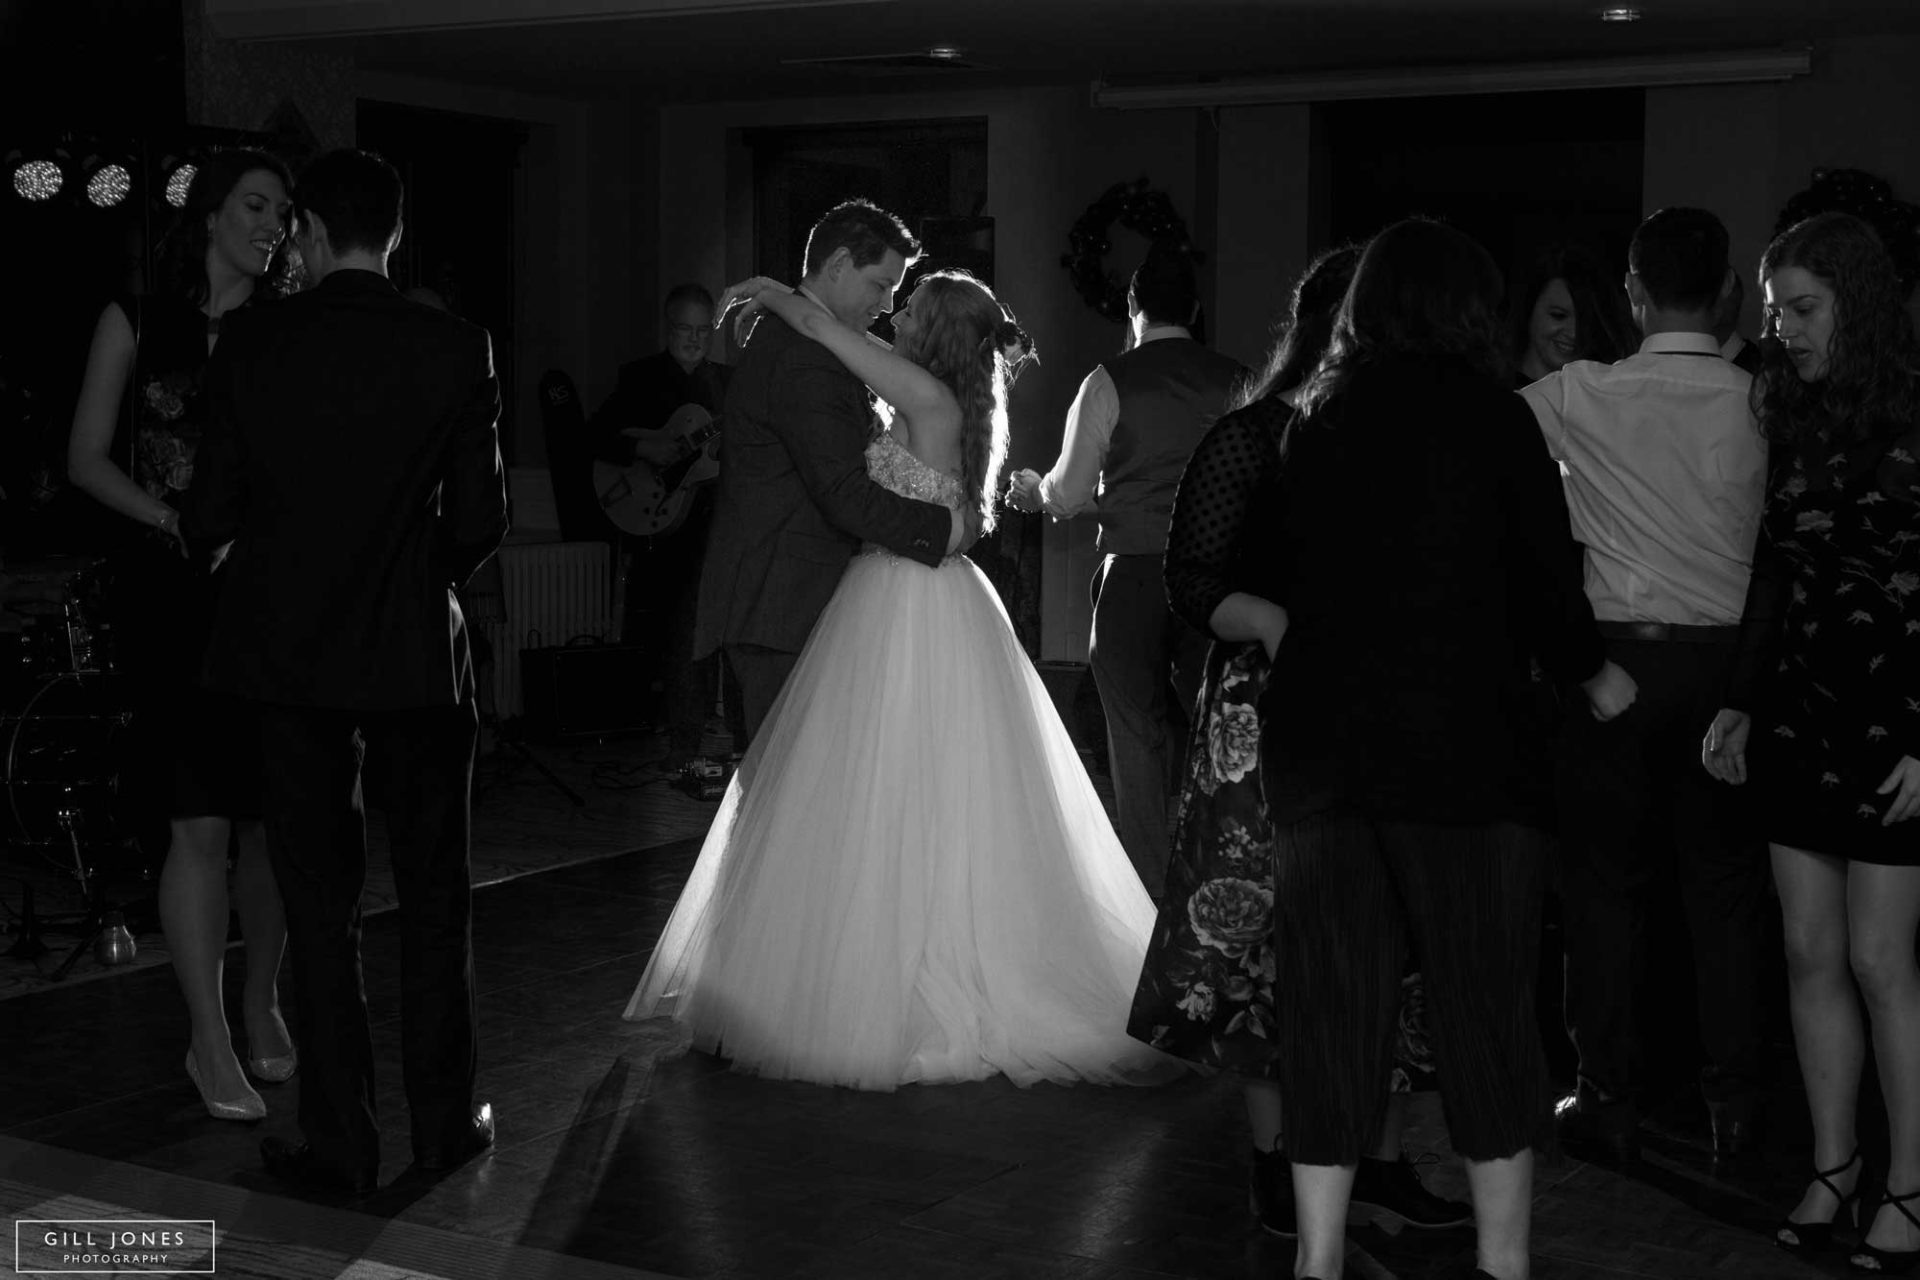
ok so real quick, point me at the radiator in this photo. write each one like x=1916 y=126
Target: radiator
x=555 y=592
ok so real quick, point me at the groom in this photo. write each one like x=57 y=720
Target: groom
x=795 y=501
x=350 y=457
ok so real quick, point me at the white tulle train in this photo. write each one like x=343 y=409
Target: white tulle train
x=911 y=878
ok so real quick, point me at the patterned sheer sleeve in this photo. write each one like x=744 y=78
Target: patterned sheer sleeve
x=1213 y=510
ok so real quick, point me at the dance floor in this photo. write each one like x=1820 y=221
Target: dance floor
x=621 y=1153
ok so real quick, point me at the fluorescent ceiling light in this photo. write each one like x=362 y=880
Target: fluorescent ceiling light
x=312 y=19
x=1740 y=67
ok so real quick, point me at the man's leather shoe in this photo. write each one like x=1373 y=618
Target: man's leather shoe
x=1393 y=1189
x=1596 y=1128
x=1736 y=1127
x=297 y=1163
x=469 y=1142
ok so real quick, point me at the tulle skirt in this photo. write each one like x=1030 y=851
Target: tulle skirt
x=910 y=879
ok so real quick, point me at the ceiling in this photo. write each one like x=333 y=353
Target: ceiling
x=749 y=54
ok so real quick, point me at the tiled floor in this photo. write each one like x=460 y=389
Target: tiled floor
x=620 y=1149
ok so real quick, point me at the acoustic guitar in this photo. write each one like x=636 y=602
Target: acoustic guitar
x=645 y=500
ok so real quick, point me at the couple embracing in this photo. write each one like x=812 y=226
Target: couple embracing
x=911 y=878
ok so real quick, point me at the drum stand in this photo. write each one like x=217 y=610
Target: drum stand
x=28 y=945
x=503 y=738
x=93 y=888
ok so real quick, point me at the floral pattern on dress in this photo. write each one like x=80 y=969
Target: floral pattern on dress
x=166 y=431
x=1838 y=712
x=1206 y=985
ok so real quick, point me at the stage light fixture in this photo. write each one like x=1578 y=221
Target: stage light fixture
x=37 y=180
x=178 y=181
x=108 y=184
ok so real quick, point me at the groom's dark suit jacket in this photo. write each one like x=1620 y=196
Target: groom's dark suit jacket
x=795 y=501
x=350 y=454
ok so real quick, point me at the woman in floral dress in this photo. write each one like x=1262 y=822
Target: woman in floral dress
x=195 y=751
x=1825 y=704
x=1206 y=988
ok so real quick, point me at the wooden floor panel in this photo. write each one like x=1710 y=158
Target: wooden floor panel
x=619 y=1148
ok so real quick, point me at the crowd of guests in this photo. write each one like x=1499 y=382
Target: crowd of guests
x=1660 y=609
x=1656 y=606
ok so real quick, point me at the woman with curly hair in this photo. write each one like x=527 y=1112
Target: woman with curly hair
x=1567 y=308
x=195 y=759
x=1206 y=987
x=911 y=879
x=1412 y=557
x=1824 y=709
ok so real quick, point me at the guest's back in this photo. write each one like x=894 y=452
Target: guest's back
x=1420 y=547
x=360 y=467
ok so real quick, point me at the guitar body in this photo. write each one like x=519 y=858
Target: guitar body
x=646 y=501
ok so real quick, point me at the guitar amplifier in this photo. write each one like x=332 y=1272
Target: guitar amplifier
x=583 y=689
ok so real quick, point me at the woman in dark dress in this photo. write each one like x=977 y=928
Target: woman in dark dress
x=1206 y=985
x=196 y=756
x=1826 y=703
x=1415 y=539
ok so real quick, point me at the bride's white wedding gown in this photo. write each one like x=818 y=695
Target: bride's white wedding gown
x=911 y=878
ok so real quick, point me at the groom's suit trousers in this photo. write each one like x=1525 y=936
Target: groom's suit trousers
x=762 y=673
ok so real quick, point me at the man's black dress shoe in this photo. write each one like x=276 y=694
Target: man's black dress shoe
x=1392 y=1188
x=296 y=1163
x=1597 y=1128
x=469 y=1142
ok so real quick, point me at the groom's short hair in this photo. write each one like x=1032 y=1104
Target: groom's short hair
x=357 y=194
x=863 y=229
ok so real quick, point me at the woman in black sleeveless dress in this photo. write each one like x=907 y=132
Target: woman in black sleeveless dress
x=195 y=753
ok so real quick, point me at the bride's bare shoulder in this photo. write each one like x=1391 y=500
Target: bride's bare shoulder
x=933 y=434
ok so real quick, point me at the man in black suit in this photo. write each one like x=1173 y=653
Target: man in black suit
x=350 y=457
x=795 y=501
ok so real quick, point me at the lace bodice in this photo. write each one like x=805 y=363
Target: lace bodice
x=891 y=465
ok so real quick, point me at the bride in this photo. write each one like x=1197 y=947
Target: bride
x=910 y=879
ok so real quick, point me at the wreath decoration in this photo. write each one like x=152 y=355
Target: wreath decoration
x=1135 y=206
x=1870 y=198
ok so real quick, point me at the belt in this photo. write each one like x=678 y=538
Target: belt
x=1668 y=631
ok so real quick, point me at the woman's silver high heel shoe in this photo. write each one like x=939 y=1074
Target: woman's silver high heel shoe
x=248 y=1107
x=275 y=1070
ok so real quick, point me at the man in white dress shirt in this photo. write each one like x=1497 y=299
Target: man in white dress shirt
x=1665 y=475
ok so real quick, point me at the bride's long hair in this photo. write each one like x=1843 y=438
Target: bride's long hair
x=971 y=342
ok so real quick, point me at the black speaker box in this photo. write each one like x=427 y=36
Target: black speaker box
x=584 y=688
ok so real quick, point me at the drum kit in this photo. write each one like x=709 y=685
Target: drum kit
x=65 y=711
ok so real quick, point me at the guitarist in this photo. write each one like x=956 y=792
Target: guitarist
x=663 y=584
